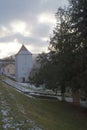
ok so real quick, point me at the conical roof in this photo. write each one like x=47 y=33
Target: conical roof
x=23 y=48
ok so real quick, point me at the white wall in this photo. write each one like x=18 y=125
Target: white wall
x=23 y=63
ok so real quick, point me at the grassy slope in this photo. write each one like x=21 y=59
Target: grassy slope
x=48 y=114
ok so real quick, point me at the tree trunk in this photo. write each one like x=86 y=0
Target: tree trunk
x=76 y=97
x=63 y=96
x=63 y=92
x=56 y=91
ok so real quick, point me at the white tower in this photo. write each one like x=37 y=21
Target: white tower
x=23 y=63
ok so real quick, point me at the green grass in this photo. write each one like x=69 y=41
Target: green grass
x=47 y=114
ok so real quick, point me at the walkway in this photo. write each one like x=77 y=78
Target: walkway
x=29 y=91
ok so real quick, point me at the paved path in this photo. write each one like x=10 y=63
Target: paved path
x=25 y=89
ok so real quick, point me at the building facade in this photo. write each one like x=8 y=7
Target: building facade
x=7 y=66
x=23 y=64
x=9 y=70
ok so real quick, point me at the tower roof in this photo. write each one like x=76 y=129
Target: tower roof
x=23 y=48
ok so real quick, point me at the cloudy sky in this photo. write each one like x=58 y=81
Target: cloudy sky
x=28 y=22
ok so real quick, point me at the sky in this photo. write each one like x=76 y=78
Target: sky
x=28 y=22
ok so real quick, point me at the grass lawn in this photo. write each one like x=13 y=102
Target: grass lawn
x=26 y=113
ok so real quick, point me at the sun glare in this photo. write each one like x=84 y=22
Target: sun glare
x=47 y=18
x=9 y=48
x=20 y=27
x=45 y=39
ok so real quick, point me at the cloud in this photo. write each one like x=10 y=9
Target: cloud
x=25 y=9
x=28 y=22
x=47 y=17
x=4 y=31
x=10 y=48
x=20 y=27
